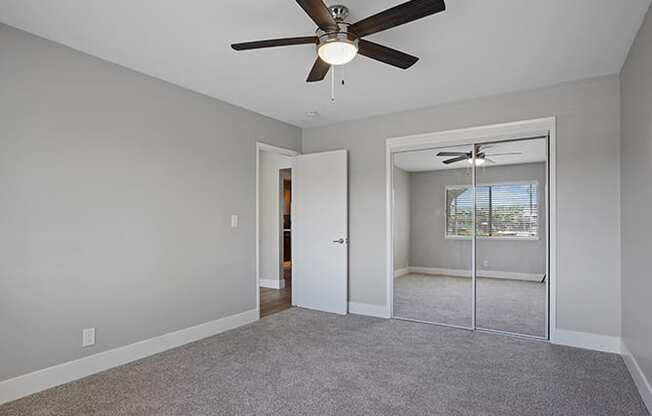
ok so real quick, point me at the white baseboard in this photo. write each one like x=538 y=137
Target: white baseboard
x=597 y=342
x=401 y=272
x=378 y=311
x=272 y=283
x=31 y=383
x=530 y=277
x=642 y=383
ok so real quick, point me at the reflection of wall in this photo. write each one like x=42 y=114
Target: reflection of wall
x=270 y=217
x=430 y=248
x=401 y=219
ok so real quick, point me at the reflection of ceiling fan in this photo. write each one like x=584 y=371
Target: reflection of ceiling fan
x=480 y=158
x=338 y=41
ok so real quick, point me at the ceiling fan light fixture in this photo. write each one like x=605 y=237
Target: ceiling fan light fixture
x=338 y=52
x=478 y=161
x=337 y=47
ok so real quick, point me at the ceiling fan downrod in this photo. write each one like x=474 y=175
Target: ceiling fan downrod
x=339 y=12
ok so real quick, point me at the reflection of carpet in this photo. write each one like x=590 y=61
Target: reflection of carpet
x=301 y=362
x=507 y=305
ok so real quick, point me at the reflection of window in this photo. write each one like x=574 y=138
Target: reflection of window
x=502 y=210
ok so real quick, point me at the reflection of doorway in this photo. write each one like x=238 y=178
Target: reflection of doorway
x=274 y=229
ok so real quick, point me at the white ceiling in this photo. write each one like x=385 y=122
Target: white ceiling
x=475 y=48
x=531 y=151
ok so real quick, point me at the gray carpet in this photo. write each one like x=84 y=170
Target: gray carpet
x=299 y=362
x=505 y=305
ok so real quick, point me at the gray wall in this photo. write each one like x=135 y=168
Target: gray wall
x=636 y=152
x=270 y=205
x=588 y=189
x=117 y=191
x=402 y=210
x=430 y=248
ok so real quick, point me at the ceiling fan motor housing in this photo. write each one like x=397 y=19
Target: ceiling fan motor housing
x=341 y=33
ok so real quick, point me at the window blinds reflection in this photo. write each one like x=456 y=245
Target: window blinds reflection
x=502 y=210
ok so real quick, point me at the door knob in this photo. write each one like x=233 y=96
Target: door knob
x=340 y=241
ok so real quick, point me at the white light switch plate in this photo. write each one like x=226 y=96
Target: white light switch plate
x=88 y=337
x=234 y=221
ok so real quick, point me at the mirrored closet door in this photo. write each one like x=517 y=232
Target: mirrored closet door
x=511 y=236
x=470 y=236
x=433 y=229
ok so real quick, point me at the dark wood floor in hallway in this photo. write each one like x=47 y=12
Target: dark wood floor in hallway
x=274 y=300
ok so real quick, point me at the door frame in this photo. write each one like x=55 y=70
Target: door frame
x=264 y=147
x=479 y=135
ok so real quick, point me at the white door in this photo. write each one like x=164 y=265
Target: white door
x=320 y=231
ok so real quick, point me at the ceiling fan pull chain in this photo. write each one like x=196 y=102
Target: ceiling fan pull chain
x=333 y=84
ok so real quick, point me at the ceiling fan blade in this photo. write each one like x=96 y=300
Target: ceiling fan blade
x=455 y=160
x=398 y=15
x=318 y=71
x=505 y=154
x=386 y=55
x=451 y=153
x=319 y=13
x=271 y=43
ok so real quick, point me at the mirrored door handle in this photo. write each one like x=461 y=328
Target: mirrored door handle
x=340 y=241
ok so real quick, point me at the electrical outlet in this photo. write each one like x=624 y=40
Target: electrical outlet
x=485 y=263
x=88 y=337
x=234 y=221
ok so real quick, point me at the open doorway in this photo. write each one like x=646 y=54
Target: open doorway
x=274 y=230
x=301 y=230
x=286 y=231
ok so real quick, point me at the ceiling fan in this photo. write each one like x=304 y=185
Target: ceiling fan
x=339 y=41
x=480 y=158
